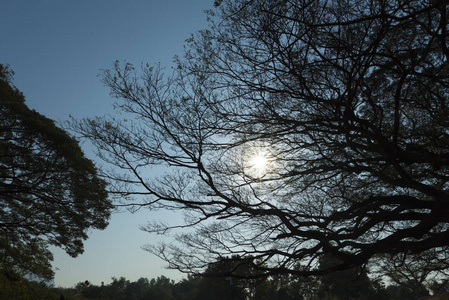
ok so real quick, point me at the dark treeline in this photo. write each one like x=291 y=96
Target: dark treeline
x=345 y=285
x=278 y=288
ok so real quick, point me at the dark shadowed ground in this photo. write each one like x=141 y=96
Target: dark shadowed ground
x=439 y=297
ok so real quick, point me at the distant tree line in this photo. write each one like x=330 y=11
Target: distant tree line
x=350 y=284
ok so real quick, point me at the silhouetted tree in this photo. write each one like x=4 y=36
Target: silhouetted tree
x=349 y=284
x=187 y=288
x=345 y=101
x=88 y=290
x=403 y=292
x=415 y=274
x=50 y=194
x=19 y=288
x=161 y=288
x=439 y=286
x=225 y=286
x=138 y=289
x=289 y=287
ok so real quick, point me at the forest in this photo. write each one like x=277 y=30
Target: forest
x=344 y=285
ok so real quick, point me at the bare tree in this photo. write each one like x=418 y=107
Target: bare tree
x=292 y=130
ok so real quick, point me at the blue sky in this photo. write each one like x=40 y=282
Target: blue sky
x=57 y=48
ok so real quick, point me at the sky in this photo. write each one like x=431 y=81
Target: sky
x=56 y=49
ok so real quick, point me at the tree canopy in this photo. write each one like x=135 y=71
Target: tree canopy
x=50 y=193
x=352 y=284
x=345 y=103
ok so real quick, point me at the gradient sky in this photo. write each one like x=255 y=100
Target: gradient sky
x=56 y=49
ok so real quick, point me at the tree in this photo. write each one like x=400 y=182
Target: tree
x=136 y=290
x=344 y=104
x=416 y=274
x=187 y=288
x=19 y=288
x=348 y=284
x=232 y=286
x=161 y=288
x=50 y=194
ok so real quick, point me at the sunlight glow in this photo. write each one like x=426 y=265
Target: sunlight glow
x=258 y=164
x=259 y=161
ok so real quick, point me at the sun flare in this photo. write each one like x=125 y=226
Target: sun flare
x=258 y=164
x=259 y=161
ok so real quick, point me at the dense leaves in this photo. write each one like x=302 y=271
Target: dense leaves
x=349 y=284
x=50 y=194
x=344 y=285
x=348 y=102
x=18 y=288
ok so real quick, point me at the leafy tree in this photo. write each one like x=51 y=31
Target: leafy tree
x=292 y=130
x=403 y=292
x=230 y=283
x=117 y=288
x=348 y=284
x=50 y=194
x=138 y=289
x=15 y=287
x=161 y=288
x=290 y=287
x=187 y=288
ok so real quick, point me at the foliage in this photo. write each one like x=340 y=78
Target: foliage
x=50 y=194
x=347 y=100
x=416 y=274
x=15 y=287
x=349 y=284
x=226 y=287
x=341 y=285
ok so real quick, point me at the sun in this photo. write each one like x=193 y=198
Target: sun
x=259 y=161
x=258 y=164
